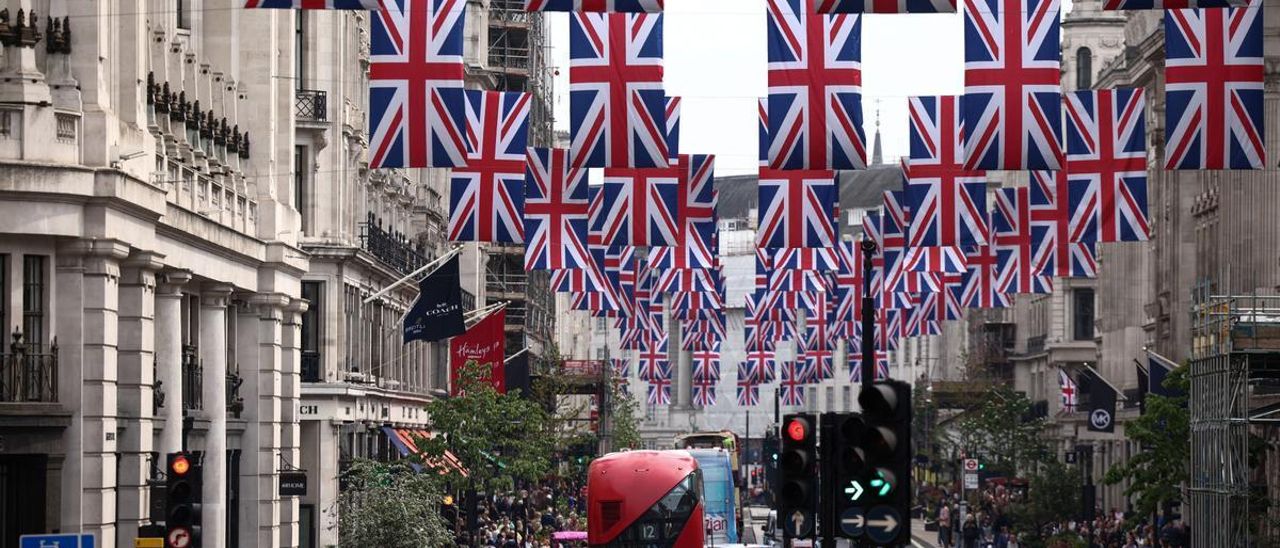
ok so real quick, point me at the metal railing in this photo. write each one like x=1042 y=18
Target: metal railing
x=1036 y=344
x=310 y=105
x=192 y=379
x=28 y=376
x=390 y=247
x=311 y=366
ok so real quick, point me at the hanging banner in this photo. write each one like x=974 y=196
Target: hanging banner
x=484 y=343
x=1102 y=405
x=437 y=314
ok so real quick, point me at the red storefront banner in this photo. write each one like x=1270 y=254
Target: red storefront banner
x=484 y=343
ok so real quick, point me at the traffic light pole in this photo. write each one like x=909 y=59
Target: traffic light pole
x=868 y=317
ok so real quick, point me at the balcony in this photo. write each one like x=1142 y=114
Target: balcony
x=311 y=366
x=390 y=247
x=310 y=105
x=192 y=379
x=1035 y=344
x=27 y=375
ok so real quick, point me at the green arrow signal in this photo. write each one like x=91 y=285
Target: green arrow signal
x=880 y=484
x=854 y=490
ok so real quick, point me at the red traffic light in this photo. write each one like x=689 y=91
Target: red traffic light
x=180 y=465
x=797 y=429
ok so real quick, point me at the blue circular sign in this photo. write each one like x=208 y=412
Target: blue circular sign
x=883 y=523
x=852 y=523
x=798 y=524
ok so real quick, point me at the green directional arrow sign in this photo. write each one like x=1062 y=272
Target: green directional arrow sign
x=881 y=486
x=854 y=490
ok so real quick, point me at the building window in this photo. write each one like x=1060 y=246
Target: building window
x=184 y=17
x=310 y=332
x=846 y=401
x=33 y=301
x=4 y=299
x=300 y=49
x=1082 y=314
x=301 y=170
x=602 y=353
x=1084 y=68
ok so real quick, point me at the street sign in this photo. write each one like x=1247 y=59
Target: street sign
x=852 y=522
x=854 y=490
x=970 y=465
x=799 y=523
x=179 y=538
x=1071 y=457
x=970 y=480
x=84 y=540
x=883 y=523
x=293 y=483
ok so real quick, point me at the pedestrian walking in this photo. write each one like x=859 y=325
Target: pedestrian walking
x=944 y=525
x=970 y=532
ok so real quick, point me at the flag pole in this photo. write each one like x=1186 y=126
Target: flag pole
x=513 y=356
x=447 y=255
x=1099 y=376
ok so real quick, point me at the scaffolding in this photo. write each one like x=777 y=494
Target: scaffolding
x=1235 y=356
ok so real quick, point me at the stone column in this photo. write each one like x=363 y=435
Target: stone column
x=168 y=333
x=258 y=353
x=290 y=397
x=87 y=297
x=137 y=401
x=213 y=357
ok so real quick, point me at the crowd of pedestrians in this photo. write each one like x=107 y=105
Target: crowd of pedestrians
x=527 y=517
x=990 y=523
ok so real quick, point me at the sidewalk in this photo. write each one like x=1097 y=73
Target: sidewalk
x=920 y=537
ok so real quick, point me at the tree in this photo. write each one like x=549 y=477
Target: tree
x=499 y=438
x=1003 y=432
x=1053 y=494
x=625 y=425
x=1156 y=473
x=390 y=505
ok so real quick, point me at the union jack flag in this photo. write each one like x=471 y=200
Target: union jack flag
x=855 y=363
x=316 y=4
x=946 y=260
x=704 y=392
x=948 y=204
x=621 y=367
x=944 y=305
x=748 y=392
x=486 y=198
x=641 y=207
x=1051 y=226
x=818 y=352
x=795 y=209
x=920 y=320
x=697 y=213
x=792 y=383
x=555 y=212
x=1106 y=165
x=687 y=280
x=1213 y=88
x=659 y=389
x=764 y=142
x=1012 y=94
x=815 y=88
x=652 y=360
x=981 y=287
x=673 y=127
x=417 y=108
x=617 y=108
x=760 y=360
x=1168 y=4
x=1015 y=247
x=706 y=363
x=1069 y=391
x=886 y=6
x=703 y=332
x=621 y=6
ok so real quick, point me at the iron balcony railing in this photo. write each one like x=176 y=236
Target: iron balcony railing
x=310 y=366
x=192 y=379
x=29 y=375
x=390 y=247
x=310 y=105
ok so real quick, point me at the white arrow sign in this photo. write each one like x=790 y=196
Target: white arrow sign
x=857 y=520
x=888 y=523
x=797 y=521
x=854 y=490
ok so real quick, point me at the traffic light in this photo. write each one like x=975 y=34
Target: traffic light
x=847 y=490
x=182 y=508
x=798 y=485
x=884 y=448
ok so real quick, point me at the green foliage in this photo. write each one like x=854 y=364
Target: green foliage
x=499 y=438
x=1053 y=494
x=1001 y=433
x=1156 y=473
x=624 y=421
x=390 y=505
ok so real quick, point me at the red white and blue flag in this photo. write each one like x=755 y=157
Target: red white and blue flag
x=791 y=383
x=555 y=212
x=704 y=392
x=617 y=108
x=886 y=6
x=706 y=363
x=1012 y=95
x=855 y=362
x=815 y=88
x=641 y=207
x=612 y=6
x=417 y=108
x=981 y=287
x=659 y=389
x=796 y=209
x=673 y=127
x=317 y=4
x=1106 y=165
x=1213 y=88
x=1168 y=4
x=748 y=388
x=486 y=198
x=652 y=361
x=947 y=201
x=1052 y=223
x=1015 y=249
x=946 y=260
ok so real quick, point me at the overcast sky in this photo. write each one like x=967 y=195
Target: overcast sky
x=715 y=59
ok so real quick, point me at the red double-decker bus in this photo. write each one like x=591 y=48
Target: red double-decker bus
x=645 y=499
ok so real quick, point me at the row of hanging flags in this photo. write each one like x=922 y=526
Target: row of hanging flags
x=642 y=249
x=1102 y=395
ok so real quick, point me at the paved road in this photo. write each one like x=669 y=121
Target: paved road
x=920 y=537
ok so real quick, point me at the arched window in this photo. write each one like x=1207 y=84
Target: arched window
x=1084 y=68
